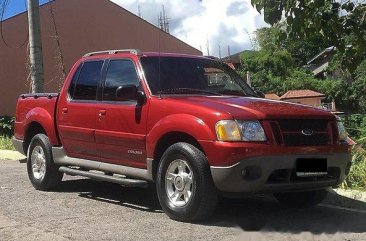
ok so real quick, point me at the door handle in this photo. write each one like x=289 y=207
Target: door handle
x=65 y=110
x=102 y=113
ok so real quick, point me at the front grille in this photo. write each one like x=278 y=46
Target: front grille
x=304 y=132
x=298 y=125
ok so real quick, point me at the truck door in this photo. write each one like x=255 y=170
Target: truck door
x=121 y=124
x=77 y=111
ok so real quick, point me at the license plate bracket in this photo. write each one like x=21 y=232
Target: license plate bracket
x=311 y=167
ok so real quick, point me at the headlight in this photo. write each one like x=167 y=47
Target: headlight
x=230 y=130
x=252 y=131
x=341 y=130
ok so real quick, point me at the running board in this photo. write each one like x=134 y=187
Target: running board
x=61 y=159
x=102 y=177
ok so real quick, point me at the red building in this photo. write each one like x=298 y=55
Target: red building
x=82 y=26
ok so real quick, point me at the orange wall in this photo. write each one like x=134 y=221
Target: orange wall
x=83 y=26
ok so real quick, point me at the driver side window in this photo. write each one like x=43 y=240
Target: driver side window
x=119 y=73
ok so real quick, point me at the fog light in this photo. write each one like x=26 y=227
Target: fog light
x=251 y=173
x=244 y=172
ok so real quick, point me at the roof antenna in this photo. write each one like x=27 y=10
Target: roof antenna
x=159 y=80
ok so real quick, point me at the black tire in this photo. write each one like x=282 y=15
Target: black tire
x=203 y=197
x=305 y=199
x=51 y=177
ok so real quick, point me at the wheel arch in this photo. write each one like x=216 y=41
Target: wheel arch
x=39 y=120
x=33 y=128
x=166 y=141
x=172 y=129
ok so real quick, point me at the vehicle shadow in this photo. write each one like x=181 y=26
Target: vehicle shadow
x=263 y=213
x=251 y=213
x=143 y=199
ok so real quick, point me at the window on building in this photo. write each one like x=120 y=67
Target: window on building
x=88 y=80
x=119 y=73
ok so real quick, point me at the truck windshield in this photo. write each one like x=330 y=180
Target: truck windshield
x=184 y=75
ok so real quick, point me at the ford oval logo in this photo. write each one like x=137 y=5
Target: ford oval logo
x=307 y=132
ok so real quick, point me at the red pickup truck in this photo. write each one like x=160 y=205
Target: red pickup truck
x=190 y=124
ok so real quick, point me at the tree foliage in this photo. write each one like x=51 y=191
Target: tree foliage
x=342 y=23
x=301 y=50
x=274 y=70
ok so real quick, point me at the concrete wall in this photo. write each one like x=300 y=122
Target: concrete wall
x=83 y=26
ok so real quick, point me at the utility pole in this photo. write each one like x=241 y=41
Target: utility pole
x=139 y=11
x=164 y=21
x=219 y=51
x=35 y=47
x=208 y=47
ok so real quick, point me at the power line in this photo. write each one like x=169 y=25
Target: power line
x=3 y=9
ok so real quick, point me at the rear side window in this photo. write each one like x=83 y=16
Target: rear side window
x=88 y=80
x=73 y=81
x=120 y=72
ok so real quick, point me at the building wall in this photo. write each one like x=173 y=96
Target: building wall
x=83 y=26
x=316 y=101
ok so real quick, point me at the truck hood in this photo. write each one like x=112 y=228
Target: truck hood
x=256 y=108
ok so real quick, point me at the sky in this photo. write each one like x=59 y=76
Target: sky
x=204 y=24
x=15 y=7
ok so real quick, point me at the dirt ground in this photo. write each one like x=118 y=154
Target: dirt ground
x=82 y=209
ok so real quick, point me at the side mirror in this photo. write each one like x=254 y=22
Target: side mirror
x=141 y=98
x=126 y=93
x=130 y=93
x=259 y=93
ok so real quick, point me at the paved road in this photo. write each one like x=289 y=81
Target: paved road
x=86 y=210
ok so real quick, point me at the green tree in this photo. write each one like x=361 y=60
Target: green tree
x=342 y=23
x=301 y=50
x=358 y=87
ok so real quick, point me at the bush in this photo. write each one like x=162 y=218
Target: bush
x=357 y=175
x=356 y=127
x=6 y=126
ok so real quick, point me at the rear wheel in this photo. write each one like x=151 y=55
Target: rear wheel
x=184 y=184
x=42 y=172
x=302 y=199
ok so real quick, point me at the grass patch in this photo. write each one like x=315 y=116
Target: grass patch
x=6 y=144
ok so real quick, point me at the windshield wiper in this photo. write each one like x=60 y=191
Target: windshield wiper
x=187 y=91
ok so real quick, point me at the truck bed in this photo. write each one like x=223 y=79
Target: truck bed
x=37 y=105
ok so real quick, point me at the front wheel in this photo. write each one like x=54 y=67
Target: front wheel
x=42 y=172
x=184 y=184
x=302 y=199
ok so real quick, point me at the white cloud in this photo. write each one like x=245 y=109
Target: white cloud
x=224 y=23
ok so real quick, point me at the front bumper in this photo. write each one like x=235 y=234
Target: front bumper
x=18 y=145
x=277 y=174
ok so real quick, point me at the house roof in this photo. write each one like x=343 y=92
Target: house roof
x=325 y=51
x=272 y=96
x=297 y=94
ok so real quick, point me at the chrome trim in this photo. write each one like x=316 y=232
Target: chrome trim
x=60 y=158
x=18 y=145
x=307 y=132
